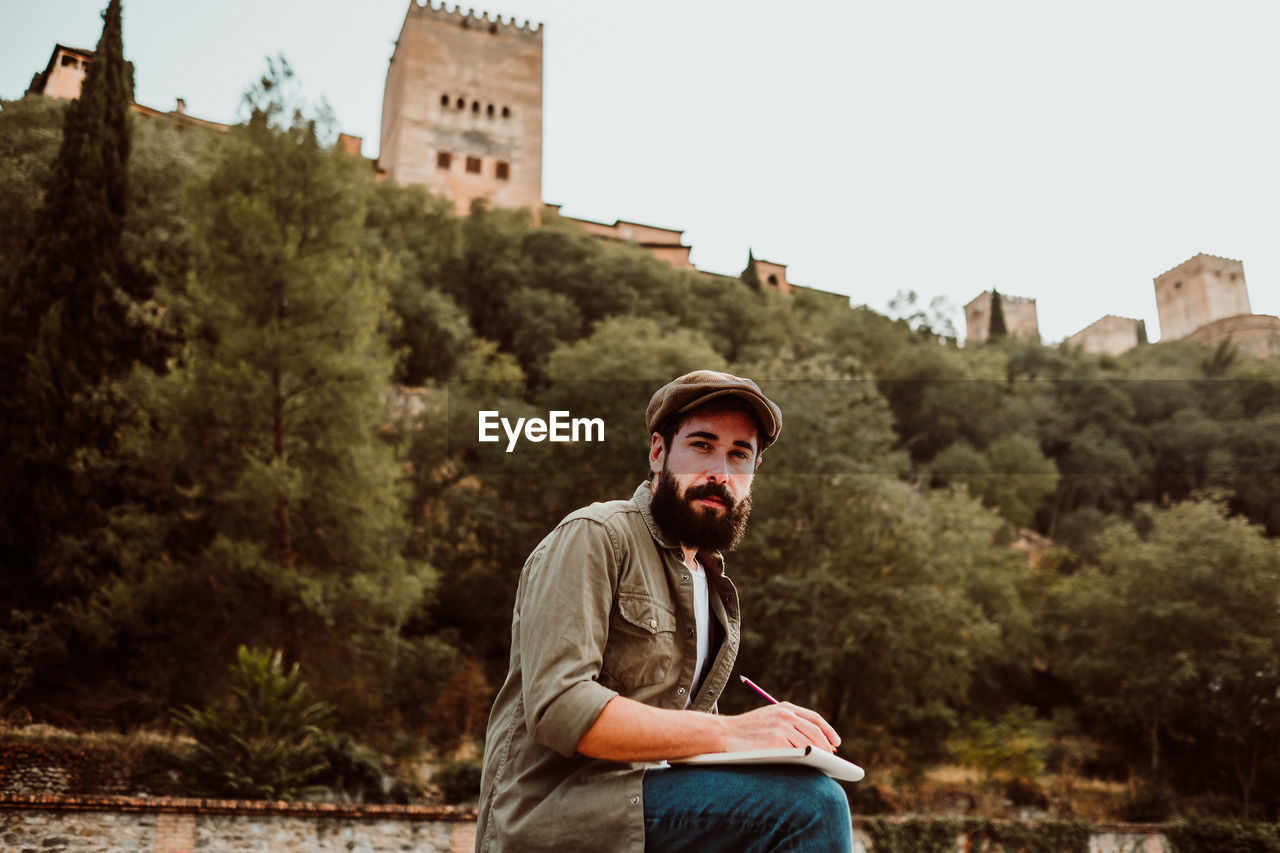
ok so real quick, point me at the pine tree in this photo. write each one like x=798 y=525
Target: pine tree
x=281 y=521
x=997 y=329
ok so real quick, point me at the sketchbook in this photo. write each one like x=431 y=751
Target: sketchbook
x=829 y=763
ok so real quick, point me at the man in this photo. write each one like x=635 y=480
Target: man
x=623 y=635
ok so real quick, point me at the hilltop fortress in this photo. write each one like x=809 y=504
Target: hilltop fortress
x=462 y=116
x=1203 y=300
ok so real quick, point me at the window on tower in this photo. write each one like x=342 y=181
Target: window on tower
x=443 y=159
x=444 y=100
x=473 y=165
x=502 y=170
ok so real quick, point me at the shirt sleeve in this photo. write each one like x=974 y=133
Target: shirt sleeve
x=565 y=607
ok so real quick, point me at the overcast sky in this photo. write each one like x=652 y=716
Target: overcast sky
x=1065 y=152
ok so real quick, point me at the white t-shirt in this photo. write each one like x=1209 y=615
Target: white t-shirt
x=702 y=619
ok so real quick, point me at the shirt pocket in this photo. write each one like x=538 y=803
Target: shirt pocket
x=642 y=644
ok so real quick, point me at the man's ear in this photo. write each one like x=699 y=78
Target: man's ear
x=657 y=452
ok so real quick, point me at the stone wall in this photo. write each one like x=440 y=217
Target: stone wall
x=45 y=824
x=170 y=825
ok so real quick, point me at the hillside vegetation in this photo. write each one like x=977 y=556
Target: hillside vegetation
x=255 y=426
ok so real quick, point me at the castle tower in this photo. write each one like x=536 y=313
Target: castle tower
x=462 y=109
x=1019 y=317
x=1198 y=291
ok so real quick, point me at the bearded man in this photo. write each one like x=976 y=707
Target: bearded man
x=624 y=632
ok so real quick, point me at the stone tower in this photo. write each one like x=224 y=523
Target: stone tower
x=1197 y=292
x=1019 y=317
x=462 y=108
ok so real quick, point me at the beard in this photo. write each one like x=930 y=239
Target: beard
x=696 y=526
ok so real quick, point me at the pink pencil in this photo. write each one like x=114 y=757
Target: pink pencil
x=756 y=688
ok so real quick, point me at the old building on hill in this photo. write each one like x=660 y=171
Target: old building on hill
x=1111 y=335
x=64 y=76
x=1019 y=317
x=462 y=108
x=1205 y=300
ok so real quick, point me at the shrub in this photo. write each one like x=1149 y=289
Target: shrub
x=1223 y=836
x=266 y=742
x=459 y=781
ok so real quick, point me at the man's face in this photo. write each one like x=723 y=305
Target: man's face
x=702 y=494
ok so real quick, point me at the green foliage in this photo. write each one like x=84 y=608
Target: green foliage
x=1203 y=835
x=1011 y=747
x=1175 y=636
x=267 y=741
x=997 y=328
x=939 y=835
x=459 y=781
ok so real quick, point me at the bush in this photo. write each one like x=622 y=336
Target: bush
x=267 y=742
x=459 y=781
x=1223 y=836
x=1150 y=803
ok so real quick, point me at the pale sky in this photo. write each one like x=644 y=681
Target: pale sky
x=1064 y=152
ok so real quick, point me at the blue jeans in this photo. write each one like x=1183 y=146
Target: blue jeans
x=745 y=809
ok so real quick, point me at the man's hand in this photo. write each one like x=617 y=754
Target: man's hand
x=626 y=730
x=779 y=726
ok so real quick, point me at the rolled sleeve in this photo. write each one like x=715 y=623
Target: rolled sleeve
x=564 y=612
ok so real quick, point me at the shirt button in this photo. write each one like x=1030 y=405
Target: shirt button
x=690 y=632
x=635 y=801
x=684 y=576
x=653 y=623
x=680 y=691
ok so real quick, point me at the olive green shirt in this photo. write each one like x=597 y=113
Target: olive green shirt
x=604 y=608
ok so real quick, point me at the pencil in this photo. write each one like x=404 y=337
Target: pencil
x=756 y=688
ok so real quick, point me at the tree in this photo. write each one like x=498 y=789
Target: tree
x=1175 y=634
x=997 y=329
x=73 y=323
x=276 y=511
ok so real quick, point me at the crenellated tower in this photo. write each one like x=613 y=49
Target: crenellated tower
x=462 y=108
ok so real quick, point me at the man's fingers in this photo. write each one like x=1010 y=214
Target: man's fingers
x=815 y=728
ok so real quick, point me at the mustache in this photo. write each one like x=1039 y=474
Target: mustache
x=710 y=490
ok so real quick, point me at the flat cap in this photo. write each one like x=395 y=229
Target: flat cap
x=702 y=386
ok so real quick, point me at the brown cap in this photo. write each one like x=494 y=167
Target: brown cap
x=702 y=386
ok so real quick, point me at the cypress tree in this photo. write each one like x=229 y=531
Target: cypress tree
x=750 y=275
x=997 y=329
x=67 y=330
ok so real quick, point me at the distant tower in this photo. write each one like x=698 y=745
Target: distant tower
x=1198 y=291
x=462 y=109
x=1019 y=317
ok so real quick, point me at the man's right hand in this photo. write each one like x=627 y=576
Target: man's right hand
x=780 y=726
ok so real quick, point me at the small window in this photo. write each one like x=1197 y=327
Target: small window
x=493 y=28
x=490 y=110
x=444 y=100
x=773 y=280
x=473 y=165
x=443 y=159
x=506 y=112
x=68 y=61
x=475 y=106
x=462 y=103
x=502 y=170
